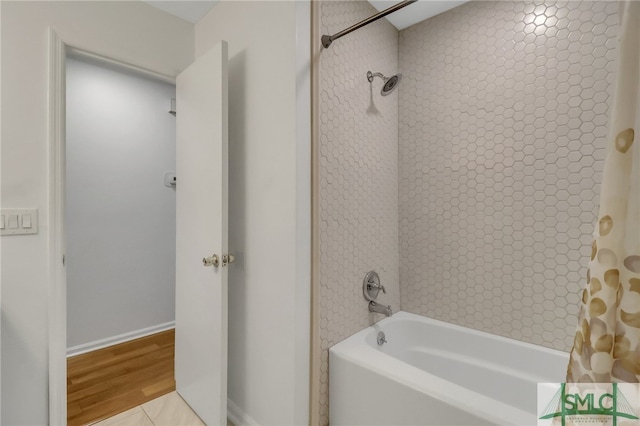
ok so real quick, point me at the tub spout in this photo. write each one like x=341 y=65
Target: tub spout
x=380 y=309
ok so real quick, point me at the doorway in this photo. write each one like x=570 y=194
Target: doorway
x=201 y=283
x=120 y=227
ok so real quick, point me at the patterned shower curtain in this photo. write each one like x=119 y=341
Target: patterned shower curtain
x=607 y=342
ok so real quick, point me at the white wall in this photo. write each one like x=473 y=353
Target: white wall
x=269 y=195
x=120 y=217
x=128 y=31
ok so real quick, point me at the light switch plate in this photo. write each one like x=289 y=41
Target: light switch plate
x=23 y=217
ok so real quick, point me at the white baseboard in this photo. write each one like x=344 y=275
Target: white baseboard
x=238 y=417
x=110 y=341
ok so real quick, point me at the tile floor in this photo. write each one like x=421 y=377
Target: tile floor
x=167 y=410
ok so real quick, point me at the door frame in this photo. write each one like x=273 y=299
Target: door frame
x=56 y=285
x=56 y=143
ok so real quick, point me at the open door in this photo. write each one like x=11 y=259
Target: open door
x=201 y=232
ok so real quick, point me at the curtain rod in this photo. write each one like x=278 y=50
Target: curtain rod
x=328 y=39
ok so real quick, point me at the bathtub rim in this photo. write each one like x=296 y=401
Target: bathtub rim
x=358 y=350
x=496 y=337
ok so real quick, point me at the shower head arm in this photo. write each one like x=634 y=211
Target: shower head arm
x=390 y=83
x=371 y=75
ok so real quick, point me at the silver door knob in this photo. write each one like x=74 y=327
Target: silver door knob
x=228 y=258
x=212 y=260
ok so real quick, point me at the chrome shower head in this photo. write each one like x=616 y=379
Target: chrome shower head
x=390 y=83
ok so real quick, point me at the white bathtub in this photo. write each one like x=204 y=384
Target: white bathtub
x=434 y=373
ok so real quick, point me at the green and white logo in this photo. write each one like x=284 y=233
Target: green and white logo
x=576 y=404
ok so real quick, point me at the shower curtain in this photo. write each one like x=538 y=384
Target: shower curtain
x=607 y=342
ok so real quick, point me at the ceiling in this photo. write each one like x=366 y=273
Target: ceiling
x=193 y=11
x=416 y=12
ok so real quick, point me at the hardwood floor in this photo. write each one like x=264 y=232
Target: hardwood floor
x=109 y=381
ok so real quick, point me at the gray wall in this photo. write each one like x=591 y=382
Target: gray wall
x=504 y=107
x=120 y=215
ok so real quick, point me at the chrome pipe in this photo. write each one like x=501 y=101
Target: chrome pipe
x=328 y=39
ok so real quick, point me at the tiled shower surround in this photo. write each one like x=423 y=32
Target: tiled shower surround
x=504 y=107
x=496 y=163
x=359 y=175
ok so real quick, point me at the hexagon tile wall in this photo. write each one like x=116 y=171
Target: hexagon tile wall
x=358 y=175
x=484 y=213
x=503 y=113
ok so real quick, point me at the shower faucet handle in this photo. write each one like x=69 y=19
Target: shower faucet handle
x=379 y=287
x=373 y=283
x=371 y=286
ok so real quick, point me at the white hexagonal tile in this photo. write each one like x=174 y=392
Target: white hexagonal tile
x=501 y=144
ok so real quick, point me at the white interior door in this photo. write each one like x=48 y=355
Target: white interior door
x=201 y=231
